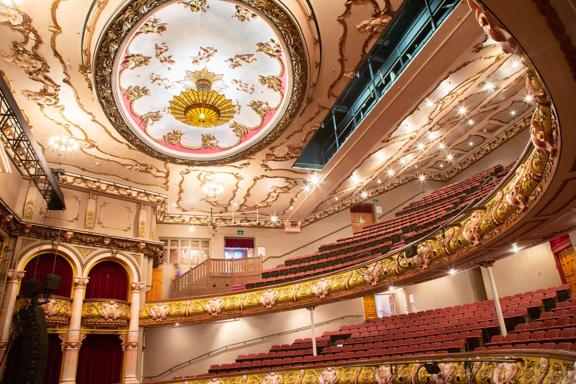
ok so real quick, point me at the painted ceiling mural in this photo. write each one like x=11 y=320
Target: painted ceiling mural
x=166 y=63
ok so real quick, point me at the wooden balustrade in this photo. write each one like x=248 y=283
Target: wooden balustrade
x=215 y=275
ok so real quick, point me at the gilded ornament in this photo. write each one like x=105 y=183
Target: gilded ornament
x=243 y=14
x=268 y=298
x=328 y=376
x=136 y=92
x=272 y=378
x=260 y=107
x=271 y=48
x=272 y=82
x=320 y=288
x=209 y=141
x=240 y=59
x=153 y=25
x=160 y=51
x=243 y=86
x=204 y=55
x=471 y=230
x=240 y=130
x=214 y=306
x=151 y=117
x=173 y=137
x=159 y=311
x=196 y=5
x=135 y=61
x=385 y=374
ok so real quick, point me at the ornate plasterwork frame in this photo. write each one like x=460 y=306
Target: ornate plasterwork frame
x=123 y=22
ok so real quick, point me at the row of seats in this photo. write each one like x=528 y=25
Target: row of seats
x=411 y=223
x=460 y=328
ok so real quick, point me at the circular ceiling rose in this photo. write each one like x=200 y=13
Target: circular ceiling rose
x=200 y=81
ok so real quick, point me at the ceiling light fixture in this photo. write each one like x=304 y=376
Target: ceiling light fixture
x=64 y=143
x=420 y=146
x=515 y=248
x=470 y=122
x=450 y=157
x=528 y=98
x=364 y=195
x=442 y=146
x=314 y=179
x=422 y=178
x=462 y=110
x=489 y=86
x=191 y=229
x=379 y=181
x=516 y=64
x=429 y=103
x=441 y=165
x=355 y=178
x=512 y=113
x=390 y=172
x=452 y=271
x=432 y=135
x=273 y=219
x=380 y=155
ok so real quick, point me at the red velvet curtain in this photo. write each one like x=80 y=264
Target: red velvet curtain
x=100 y=360
x=108 y=280
x=52 y=375
x=44 y=264
x=238 y=242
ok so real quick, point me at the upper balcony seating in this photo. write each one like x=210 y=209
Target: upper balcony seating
x=454 y=329
x=413 y=222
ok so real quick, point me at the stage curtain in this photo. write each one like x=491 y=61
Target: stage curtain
x=52 y=375
x=108 y=280
x=238 y=242
x=100 y=360
x=44 y=264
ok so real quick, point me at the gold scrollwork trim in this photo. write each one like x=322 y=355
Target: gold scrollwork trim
x=129 y=17
x=105 y=313
x=457 y=368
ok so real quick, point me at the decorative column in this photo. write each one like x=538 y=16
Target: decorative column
x=130 y=342
x=488 y=266
x=12 y=288
x=71 y=347
x=313 y=332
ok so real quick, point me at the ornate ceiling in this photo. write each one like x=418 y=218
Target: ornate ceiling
x=120 y=76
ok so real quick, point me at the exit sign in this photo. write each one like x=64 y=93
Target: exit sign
x=375 y=201
x=239 y=232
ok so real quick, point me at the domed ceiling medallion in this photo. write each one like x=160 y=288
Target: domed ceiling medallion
x=201 y=82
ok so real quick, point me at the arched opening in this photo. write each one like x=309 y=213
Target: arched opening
x=100 y=360
x=108 y=280
x=47 y=263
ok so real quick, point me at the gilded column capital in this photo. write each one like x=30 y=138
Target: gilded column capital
x=137 y=286
x=486 y=264
x=14 y=277
x=80 y=282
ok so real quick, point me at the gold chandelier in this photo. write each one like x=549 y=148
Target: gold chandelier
x=202 y=107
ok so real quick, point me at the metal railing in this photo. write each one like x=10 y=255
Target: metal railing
x=412 y=27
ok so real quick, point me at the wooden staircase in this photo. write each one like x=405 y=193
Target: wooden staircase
x=216 y=276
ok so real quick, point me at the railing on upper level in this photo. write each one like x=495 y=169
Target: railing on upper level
x=235 y=271
x=414 y=24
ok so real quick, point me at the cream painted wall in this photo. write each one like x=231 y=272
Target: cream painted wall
x=464 y=287
x=529 y=269
x=168 y=346
x=13 y=191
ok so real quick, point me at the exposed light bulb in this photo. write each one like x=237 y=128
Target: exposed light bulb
x=420 y=146
x=489 y=86
x=513 y=113
x=528 y=98
x=452 y=271
x=306 y=188
x=364 y=195
x=515 y=248
x=442 y=146
x=391 y=287
x=450 y=157
x=314 y=179
x=470 y=122
x=379 y=181
x=191 y=229
x=441 y=165
x=291 y=208
x=336 y=198
x=432 y=135
x=355 y=178
x=273 y=219
x=429 y=103
x=390 y=172
x=422 y=178
x=470 y=143
x=462 y=110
